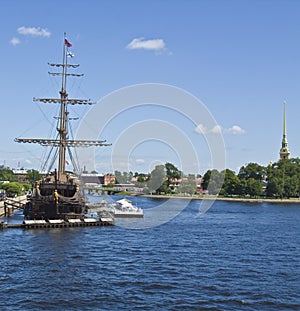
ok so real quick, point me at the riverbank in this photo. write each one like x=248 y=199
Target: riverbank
x=213 y=198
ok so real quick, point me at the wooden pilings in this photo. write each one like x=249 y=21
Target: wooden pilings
x=10 y=205
x=47 y=225
x=8 y=210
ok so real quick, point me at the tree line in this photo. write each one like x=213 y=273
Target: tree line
x=163 y=179
x=277 y=180
x=9 y=182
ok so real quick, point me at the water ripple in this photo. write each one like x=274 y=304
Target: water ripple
x=236 y=257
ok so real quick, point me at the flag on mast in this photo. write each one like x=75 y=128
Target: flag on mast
x=68 y=43
x=70 y=54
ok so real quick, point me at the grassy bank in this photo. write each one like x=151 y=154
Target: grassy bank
x=235 y=199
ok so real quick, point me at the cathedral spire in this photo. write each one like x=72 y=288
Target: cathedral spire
x=284 y=151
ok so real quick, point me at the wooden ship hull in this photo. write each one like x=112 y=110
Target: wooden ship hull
x=52 y=199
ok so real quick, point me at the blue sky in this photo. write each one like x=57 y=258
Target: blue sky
x=241 y=59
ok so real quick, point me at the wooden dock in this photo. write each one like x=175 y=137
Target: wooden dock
x=52 y=224
x=9 y=206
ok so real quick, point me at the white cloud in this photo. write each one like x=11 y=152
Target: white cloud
x=15 y=41
x=140 y=161
x=217 y=129
x=201 y=129
x=236 y=130
x=34 y=31
x=140 y=43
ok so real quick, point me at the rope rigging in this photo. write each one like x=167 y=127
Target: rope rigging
x=62 y=142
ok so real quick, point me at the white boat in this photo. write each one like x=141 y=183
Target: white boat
x=92 y=215
x=124 y=208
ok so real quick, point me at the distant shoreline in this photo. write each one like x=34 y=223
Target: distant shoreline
x=214 y=198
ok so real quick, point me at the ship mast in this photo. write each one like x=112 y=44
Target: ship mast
x=63 y=140
x=63 y=131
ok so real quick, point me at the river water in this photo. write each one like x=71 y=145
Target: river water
x=237 y=256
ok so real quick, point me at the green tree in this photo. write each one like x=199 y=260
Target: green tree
x=121 y=178
x=188 y=185
x=241 y=188
x=283 y=178
x=129 y=177
x=253 y=187
x=252 y=170
x=291 y=186
x=7 y=175
x=163 y=189
x=118 y=176
x=205 y=180
x=156 y=179
x=142 y=177
x=125 y=177
x=12 y=188
x=141 y=180
x=26 y=187
x=172 y=173
x=275 y=187
x=231 y=183
x=213 y=181
x=33 y=176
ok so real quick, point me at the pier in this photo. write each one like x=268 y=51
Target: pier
x=10 y=205
x=51 y=224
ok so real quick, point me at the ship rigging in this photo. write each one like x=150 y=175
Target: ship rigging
x=60 y=195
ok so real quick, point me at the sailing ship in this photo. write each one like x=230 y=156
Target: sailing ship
x=59 y=194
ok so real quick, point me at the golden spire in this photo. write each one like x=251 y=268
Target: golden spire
x=284 y=151
x=284 y=121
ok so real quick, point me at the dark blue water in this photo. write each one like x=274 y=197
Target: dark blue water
x=235 y=257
